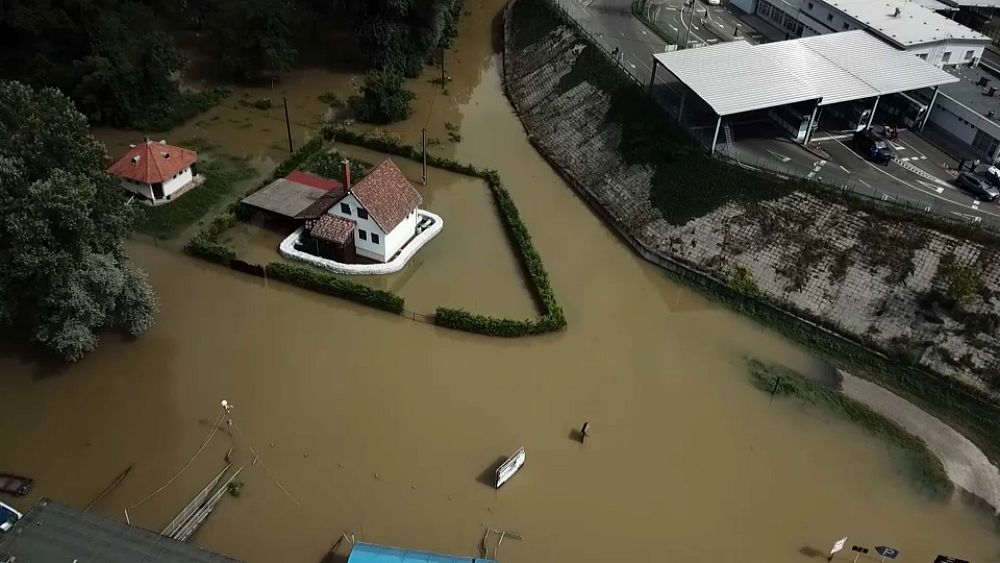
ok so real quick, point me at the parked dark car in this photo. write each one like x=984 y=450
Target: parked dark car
x=873 y=147
x=977 y=186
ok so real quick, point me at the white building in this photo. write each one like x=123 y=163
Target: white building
x=968 y=112
x=383 y=208
x=156 y=171
x=906 y=25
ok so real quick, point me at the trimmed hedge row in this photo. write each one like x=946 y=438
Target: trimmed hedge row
x=204 y=244
x=309 y=278
x=552 y=317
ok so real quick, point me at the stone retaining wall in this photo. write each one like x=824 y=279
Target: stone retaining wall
x=865 y=276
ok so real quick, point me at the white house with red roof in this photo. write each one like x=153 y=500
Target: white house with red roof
x=383 y=207
x=156 y=171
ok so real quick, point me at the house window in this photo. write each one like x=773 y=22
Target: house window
x=923 y=56
x=969 y=55
x=362 y=234
x=846 y=26
x=829 y=17
x=374 y=238
x=345 y=208
x=810 y=5
x=362 y=213
x=946 y=56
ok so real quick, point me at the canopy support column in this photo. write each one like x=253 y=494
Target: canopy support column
x=930 y=108
x=874 y=107
x=652 y=77
x=812 y=124
x=715 y=138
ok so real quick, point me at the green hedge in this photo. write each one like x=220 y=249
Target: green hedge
x=309 y=278
x=552 y=318
x=204 y=244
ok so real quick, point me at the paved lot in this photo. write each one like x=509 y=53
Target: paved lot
x=695 y=21
x=922 y=178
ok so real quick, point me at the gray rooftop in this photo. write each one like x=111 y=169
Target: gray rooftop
x=55 y=533
x=284 y=197
x=915 y=25
x=968 y=92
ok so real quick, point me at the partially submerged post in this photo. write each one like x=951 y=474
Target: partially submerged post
x=584 y=431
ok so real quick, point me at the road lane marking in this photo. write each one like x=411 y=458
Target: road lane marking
x=938 y=189
x=778 y=155
x=844 y=169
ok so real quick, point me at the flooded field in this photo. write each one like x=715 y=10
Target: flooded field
x=387 y=428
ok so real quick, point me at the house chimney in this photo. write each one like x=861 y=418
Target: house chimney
x=347 y=174
x=896 y=13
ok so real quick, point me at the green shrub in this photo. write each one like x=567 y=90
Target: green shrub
x=178 y=109
x=384 y=98
x=961 y=284
x=205 y=244
x=742 y=281
x=301 y=154
x=309 y=278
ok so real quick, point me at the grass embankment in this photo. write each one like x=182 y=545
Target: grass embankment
x=169 y=219
x=552 y=318
x=920 y=465
x=687 y=184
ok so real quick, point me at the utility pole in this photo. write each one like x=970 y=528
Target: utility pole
x=227 y=407
x=444 y=80
x=423 y=148
x=288 y=126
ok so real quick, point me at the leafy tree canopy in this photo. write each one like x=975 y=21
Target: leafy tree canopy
x=253 y=37
x=404 y=34
x=64 y=273
x=383 y=98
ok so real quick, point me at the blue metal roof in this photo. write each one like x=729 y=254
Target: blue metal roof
x=370 y=553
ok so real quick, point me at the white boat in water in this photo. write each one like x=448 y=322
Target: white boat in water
x=508 y=468
x=7 y=517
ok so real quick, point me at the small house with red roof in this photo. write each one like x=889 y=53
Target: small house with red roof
x=156 y=171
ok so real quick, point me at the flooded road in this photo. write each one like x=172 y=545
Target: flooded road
x=385 y=427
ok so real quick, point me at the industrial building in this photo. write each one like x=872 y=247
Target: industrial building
x=966 y=115
x=797 y=83
x=915 y=27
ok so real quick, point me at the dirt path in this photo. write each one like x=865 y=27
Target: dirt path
x=965 y=464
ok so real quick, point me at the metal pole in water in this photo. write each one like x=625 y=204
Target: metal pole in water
x=288 y=125
x=423 y=148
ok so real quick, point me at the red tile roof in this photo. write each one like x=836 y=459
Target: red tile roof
x=387 y=195
x=333 y=229
x=153 y=163
x=313 y=180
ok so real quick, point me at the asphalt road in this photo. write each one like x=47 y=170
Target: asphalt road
x=923 y=180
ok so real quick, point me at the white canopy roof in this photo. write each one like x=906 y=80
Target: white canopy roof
x=734 y=77
x=838 y=67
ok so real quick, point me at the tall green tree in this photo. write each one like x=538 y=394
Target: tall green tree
x=404 y=34
x=253 y=37
x=384 y=98
x=64 y=272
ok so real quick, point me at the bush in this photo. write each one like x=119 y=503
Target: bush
x=383 y=99
x=962 y=284
x=180 y=108
x=301 y=154
x=308 y=278
x=204 y=244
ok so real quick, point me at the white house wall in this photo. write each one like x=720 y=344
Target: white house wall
x=363 y=247
x=177 y=182
x=143 y=190
x=961 y=121
x=402 y=233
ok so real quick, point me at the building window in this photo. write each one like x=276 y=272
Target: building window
x=923 y=56
x=362 y=213
x=846 y=26
x=829 y=17
x=969 y=55
x=344 y=208
x=362 y=234
x=810 y=5
x=374 y=238
x=946 y=56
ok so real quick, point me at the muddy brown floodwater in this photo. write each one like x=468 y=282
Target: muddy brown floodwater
x=385 y=427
